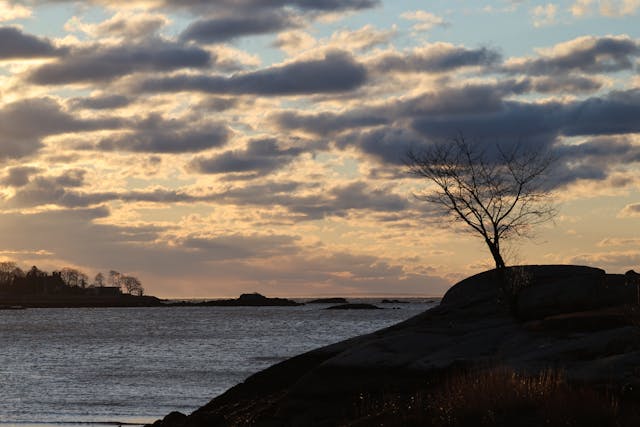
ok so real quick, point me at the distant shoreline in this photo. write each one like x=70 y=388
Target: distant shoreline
x=130 y=301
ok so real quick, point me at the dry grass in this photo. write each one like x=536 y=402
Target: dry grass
x=498 y=397
x=502 y=397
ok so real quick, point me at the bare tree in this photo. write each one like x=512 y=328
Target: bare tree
x=499 y=195
x=115 y=278
x=132 y=285
x=98 y=280
x=7 y=269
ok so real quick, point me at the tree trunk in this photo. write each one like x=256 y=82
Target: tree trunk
x=495 y=252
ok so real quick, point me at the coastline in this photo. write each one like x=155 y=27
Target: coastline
x=571 y=319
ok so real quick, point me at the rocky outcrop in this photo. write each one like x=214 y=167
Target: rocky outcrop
x=354 y=306
x=529 y=319
x=244 y=300
x=328 y=301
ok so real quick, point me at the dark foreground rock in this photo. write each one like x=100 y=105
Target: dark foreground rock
x=573 y=321
x=244 y=300
x=328 y=301
x=354 y=306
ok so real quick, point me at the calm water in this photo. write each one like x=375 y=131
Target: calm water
x=67 y=366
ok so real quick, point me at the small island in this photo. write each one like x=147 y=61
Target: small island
x=335 y=300
x=245 y=300
x=354 y=306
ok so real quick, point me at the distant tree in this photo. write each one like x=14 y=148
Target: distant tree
x=498 y=195
x=69 y=276
x=83 y=279
x=18 y=272
x=98 y=280
x=132 y=285
x=35 y=272
x=115 y=278
x=7 y=270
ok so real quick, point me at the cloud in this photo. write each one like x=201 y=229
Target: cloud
x=102 y=102
x=630 y=211
x=614 y=114
x=123 y=24
x=237 y=246
x=19 y=137
x=426 y=21
x=224 y=28
x=566 y=84
x=581 y=8
x=337 y=201
x=388 y=145
x=611 y=261
x=15 y=44
x=336 y=72
x=544 y=15
x=19 y=176
x=105 y=63
x=203 y=6
x=618 y=241
x=154 y=134
x=587 y=54
x=435 y=58
x=261 y=157
x=10 y=12
x=617 y=8
x=593 y=159
x=327 y=123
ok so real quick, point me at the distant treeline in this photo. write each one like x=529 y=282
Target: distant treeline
x=15 y=280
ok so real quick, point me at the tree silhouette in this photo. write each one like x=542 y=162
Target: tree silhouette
x=498 y=195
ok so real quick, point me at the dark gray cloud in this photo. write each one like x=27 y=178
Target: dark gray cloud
x=388 y=145
x=104 y=102
x=259 y=158
x=237 y=246
x=593 y=159
x=326 y=123
x=23 y=125
x=615 y=113
x=337 y=72
x=337 y=201
x=585 y=55
x=15 y=44
x=154 y=134
x=19 y=176
x=105 y=63
x=66 y=190
x=437 y=58
x=198 y=6
x=445 y=102
x=224 y=28
x=566 y=84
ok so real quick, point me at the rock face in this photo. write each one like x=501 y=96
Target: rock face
x=529 y=319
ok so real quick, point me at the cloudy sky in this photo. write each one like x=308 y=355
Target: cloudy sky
x=218 y=147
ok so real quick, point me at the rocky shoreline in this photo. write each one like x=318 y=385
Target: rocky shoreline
x=126 y=300
x=577 y=321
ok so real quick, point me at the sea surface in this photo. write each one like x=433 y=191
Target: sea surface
x=134 y=365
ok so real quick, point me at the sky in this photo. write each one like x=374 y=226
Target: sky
x=212 y=148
